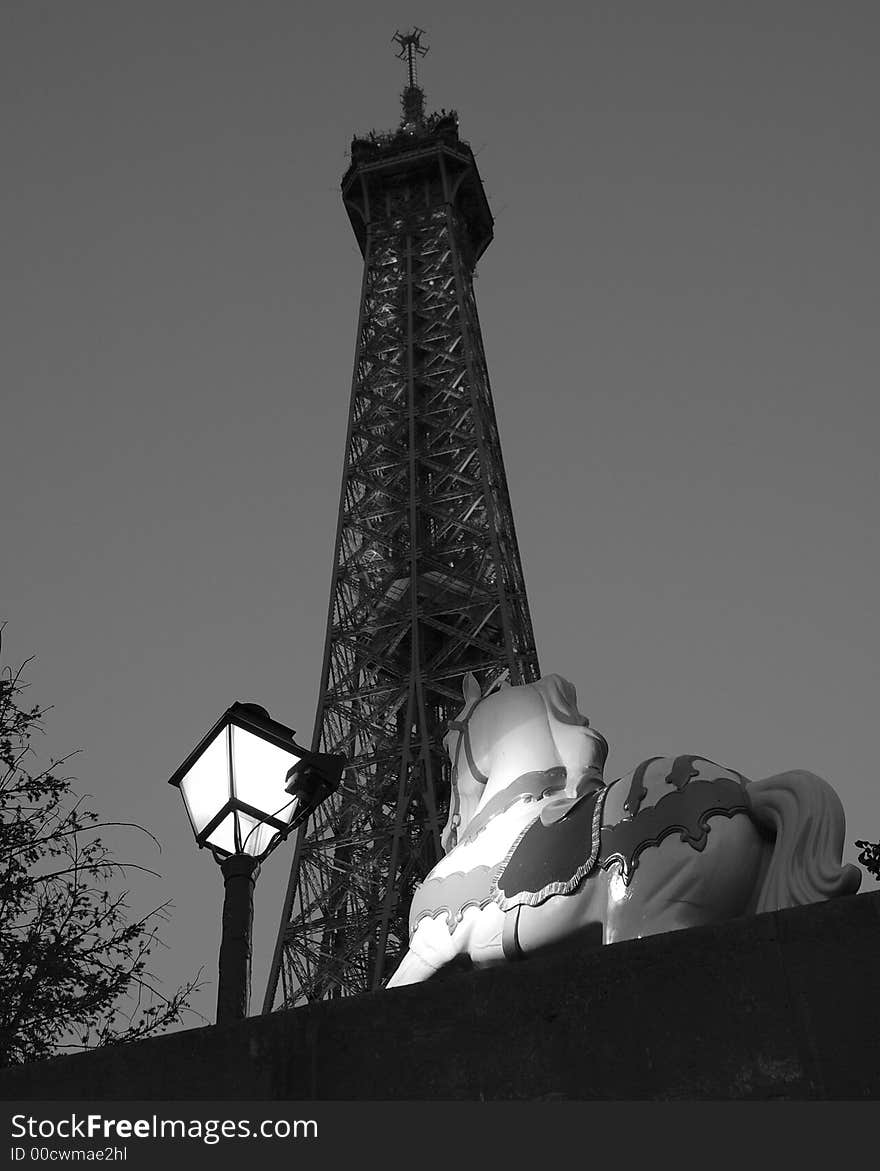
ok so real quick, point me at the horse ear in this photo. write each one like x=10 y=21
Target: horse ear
x=470 y=688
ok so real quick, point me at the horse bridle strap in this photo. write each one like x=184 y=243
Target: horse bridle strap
x=461 y=726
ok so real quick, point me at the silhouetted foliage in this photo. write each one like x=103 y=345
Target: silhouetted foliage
x=870 y=857
x=73 y=968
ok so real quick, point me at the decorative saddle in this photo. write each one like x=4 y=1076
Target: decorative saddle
x=554 y=859
x=666 y=795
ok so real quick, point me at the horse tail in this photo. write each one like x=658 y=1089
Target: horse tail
x=806 y=817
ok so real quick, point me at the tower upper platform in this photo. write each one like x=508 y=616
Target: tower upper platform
x=427 y=155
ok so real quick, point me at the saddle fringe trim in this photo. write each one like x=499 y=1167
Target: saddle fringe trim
x=536 y=898
x=453 y=912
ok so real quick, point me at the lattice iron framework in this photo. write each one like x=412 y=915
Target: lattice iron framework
x=427 y=580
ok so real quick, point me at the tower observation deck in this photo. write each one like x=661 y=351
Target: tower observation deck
x=427 y=583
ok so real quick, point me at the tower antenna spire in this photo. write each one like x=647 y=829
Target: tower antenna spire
x=413 y=96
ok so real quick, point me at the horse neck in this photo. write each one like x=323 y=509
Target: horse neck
x=526 y=747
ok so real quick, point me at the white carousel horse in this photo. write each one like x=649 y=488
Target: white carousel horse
x=539 y=848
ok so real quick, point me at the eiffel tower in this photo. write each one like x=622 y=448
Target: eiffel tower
x=427 y=582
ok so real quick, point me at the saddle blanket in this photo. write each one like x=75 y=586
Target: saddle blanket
x=666 y=795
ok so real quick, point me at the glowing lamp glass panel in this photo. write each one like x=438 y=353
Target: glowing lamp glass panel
x=205 y=787
x=254 y=837
x=257 y=836
x=259 y=770
x=223 y=837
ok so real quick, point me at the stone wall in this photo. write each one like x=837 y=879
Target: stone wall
x=782 y=1005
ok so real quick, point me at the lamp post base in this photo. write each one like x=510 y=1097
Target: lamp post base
x=233 y=993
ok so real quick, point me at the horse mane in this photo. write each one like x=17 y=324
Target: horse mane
x=578 y=744
x=560 y=699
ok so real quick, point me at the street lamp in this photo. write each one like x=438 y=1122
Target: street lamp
x=246 y=786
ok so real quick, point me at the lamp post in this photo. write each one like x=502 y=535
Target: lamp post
x=246 y=786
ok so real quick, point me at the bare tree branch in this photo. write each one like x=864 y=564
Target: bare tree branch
x=73 y=966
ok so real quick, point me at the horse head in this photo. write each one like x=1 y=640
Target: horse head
x=499 y=737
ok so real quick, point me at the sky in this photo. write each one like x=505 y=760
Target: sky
x=679 y=313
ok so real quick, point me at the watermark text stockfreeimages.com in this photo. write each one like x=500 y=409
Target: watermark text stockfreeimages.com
x=210 y=1131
